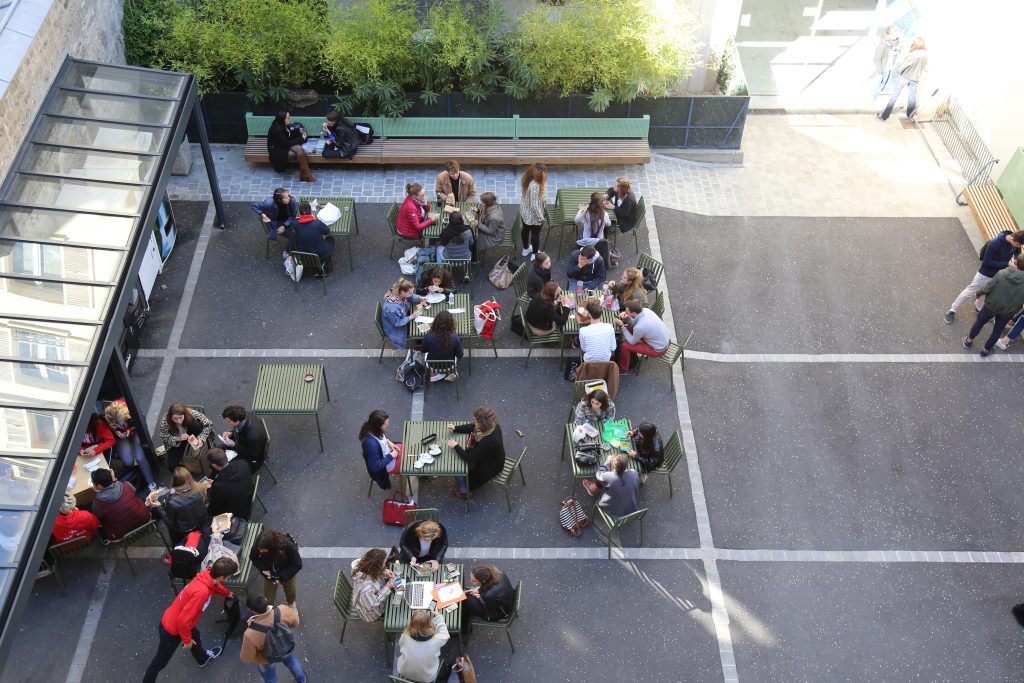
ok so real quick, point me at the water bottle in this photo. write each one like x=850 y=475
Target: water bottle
x=451 y=298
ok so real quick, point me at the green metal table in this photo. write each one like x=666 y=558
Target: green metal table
x=397 y=614
x=578 y=471
x=282 y=389
x=346 y=224
x=463 y=323
x=567 y=203
x=572 y=325
x=447 y=464
x=434 y=231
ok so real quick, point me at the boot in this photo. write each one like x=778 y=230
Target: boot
x=305 y=173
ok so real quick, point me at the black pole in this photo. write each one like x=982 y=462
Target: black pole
x=138 y=417
x=211 y=172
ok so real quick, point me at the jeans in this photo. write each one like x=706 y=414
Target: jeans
x=642 y=347
x=883 y=82
x=969 y=292
x=129 y=451
x=1017 y=328
x=462 y=484
x=169 y=642
x=984 y=315
x=270 y=590
x=269 y=671
x=272 y=227
x=531 y=236
x=911 y=98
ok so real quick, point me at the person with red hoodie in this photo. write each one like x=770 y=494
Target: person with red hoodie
x=178 y=624
x=414 y=217
x=73 y=523
x=311 y=235
x=98 y=438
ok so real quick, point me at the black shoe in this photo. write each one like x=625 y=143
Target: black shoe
x=968 y=342
x=949 y=317
x=211 y=655
x=984 y=353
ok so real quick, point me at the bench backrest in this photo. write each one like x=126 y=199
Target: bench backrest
x=476 y=127
x=1011 y=185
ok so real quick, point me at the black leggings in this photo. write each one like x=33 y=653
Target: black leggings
x=531 y=235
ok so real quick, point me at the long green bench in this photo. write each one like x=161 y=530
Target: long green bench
x=423 y=140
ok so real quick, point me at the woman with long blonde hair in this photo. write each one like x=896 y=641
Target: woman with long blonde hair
x=419 y=648
x=630 y=288
x=531 y=206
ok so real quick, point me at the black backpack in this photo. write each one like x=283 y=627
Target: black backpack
x=365 y=138
x=279 y=641
x=186 y=557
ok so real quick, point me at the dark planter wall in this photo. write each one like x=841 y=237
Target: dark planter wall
x=705 y=122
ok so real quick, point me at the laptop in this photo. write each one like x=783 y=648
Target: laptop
x=418 y=594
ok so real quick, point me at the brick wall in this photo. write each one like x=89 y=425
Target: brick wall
x=88 y=29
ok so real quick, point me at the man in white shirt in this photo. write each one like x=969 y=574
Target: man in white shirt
x=597 y=340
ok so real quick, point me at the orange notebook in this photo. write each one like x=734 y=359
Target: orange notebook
x=448 y=594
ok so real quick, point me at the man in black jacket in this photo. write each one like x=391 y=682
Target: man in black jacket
x=995 y=256
x=247 y=437
x=231 y=490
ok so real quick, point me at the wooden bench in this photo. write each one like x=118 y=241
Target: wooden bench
x=515 y=141
x=989 y=209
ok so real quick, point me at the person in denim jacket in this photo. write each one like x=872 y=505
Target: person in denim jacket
x=395 y=313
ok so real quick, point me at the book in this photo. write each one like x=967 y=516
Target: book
x=448 y=594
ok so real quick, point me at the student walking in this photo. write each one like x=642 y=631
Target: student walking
x=995 y=256
x=909 y=71
x=1004 y=296
x=263 y=619
x=178 y=624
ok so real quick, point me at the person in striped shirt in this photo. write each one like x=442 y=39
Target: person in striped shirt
x=372 y=583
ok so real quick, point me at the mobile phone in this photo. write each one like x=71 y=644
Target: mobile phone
x=399 y=582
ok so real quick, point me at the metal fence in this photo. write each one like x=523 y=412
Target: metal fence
x=965 y=146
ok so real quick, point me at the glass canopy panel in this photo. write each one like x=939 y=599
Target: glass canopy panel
x=87 y=164
x=21 y=479
x=45 y=340
x=76 y=195
x=62 y=227
x=39 y=384
x=53 y=300
x=116 y=137
x=121 y=80
x=113 y=107
x=31 y=431
x=59 y=262
x=13 y=524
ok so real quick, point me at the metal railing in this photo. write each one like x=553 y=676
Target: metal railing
x=965 y=146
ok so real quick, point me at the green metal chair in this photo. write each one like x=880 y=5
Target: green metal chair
x=191 y=455
x=256 y=495
x=504 y=624
x=263 y=235
x=311 y=265
x=673 y=454
x=396 y=236
x=519 y=282
x=266 y=450
x=378 y=320
x=509 y=242
x=617 y=524
x=444 y=366
x=462 y=267
x=507 y=475
x=659 y=305
x=541 y=339
x=137 y=534
x=638 y=217
x=647 y=261
x=674 y=353
x=343 y=602
x=57 y=552
x=419 y=514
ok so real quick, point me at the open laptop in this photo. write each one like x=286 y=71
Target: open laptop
x=418 y=594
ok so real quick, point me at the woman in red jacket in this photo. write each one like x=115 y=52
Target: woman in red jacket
x=414 y=217
x=97 y=439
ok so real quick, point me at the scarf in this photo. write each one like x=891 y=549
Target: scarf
x=393 y=298
x=478 y=435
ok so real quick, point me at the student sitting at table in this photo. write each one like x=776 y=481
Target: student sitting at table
x=643 y=332
x=178 y=424
x=586 y=266
x=420 y=649
x=593 y=220
x=116 y=505
x=593 y=408
x=622 y=201
x=231 y=487
x=454 y=185
x=73 y=523
x=490 y=595
x=619 y=486
x=435 y=280
x=183 y=508
x=395 y=313
x=278 y=213
x=538 y=275
x=382 y=456
x=423 y=541
x=485 y=453
x=630 y=287
x=456 y=241
x=597 y=339
x=441 y=343
x=372 y=583
x=489 y=222
x=97 y=439
x=414 y=216
x=647 y=451
x=547 y=312
x=247 y=437
x=310 y=234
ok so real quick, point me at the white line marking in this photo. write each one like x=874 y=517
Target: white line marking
x=92 y=622
x=966 y=357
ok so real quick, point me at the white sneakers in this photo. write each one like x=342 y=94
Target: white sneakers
x=527 y=251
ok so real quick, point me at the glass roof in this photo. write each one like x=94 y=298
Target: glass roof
x=71 y=212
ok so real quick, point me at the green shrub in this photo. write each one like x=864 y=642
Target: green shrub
x=263 y=46
x=616 y=50
x=460 y=50
x=372 y=40
x=144 y=25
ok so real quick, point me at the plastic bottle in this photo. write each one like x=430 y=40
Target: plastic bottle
x=579 y=290
x=451 y=298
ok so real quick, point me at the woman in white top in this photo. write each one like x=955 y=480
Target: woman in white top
x=419 y=648
x=593 y=219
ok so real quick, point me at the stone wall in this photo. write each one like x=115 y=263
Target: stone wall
x=88 y=29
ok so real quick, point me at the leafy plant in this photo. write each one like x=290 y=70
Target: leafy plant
x=372 y=41
x=257 y=44
x=144 y=26
x=374 y=97
x=615 y=49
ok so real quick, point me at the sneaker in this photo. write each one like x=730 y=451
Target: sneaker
x=152 y=487
x=533 y=257
x=879 y=116
x=949 y=317
x=984 y=353
x=591 y=487
x=211 y=655
x=1001 y=345
x=526 y=252
x=968 y=342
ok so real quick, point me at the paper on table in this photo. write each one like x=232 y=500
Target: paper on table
x=94 y=464
x=424 y=320
x=453 y=311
